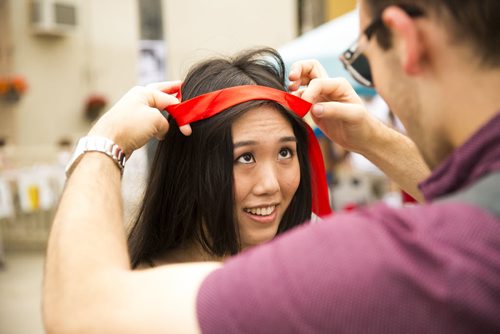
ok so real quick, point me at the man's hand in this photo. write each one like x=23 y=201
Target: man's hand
x=136 y=117
x=303 y=71
x=338 y=110
x=342 y=116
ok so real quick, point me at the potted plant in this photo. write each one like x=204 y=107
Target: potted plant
x=12 y=88
x=94 y=104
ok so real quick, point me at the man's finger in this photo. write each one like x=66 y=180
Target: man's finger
x=293 y=86
x=331 y=89
x=299 y=92
x=169 y=87
x=302 y=72
x=312 y=69
x=160 y=100
x=186 y=130
x=294 y=73
x=327 y=112
x=160 y=123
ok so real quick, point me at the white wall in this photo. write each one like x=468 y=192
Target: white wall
x=196 y=29
x=99 y=56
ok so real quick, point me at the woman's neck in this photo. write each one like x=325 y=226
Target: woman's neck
x=189 y=252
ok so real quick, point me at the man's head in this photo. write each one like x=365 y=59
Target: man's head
x=472 y=22
x=424 y=64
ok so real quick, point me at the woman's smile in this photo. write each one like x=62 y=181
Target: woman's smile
x=263 y=214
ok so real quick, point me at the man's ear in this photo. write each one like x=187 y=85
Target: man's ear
x=406 y=39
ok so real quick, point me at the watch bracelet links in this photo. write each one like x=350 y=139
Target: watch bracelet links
x=97 y=144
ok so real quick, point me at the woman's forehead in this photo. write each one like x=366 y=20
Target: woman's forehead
x=261 y=124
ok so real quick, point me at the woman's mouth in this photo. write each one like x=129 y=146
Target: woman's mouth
x=263 y=214
x=261 y=211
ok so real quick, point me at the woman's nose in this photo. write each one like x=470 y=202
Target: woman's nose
x=266 y=182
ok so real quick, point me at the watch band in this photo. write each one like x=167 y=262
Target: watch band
x=96 y=144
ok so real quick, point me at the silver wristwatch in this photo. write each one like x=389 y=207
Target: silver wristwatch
x=96 y=144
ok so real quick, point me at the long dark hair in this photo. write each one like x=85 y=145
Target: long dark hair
x=189 y=196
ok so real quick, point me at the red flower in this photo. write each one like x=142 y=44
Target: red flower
x=96 y=101
x=4 y=86
x=94 y=105
x=11 y=88
x=19 y=84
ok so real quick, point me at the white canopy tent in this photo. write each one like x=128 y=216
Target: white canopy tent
x=325 y=44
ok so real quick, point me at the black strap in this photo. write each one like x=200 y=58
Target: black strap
x=485 y=193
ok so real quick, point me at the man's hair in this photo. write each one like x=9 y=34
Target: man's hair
x=190 y=192
x=476 y=22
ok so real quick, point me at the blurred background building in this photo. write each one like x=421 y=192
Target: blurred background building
x=64 y=62
x=69 y=54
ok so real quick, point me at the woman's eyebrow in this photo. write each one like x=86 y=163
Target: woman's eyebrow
x=287 y=139
x=245 y=143
x=254 y=142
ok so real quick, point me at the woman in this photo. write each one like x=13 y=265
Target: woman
x=242 y=177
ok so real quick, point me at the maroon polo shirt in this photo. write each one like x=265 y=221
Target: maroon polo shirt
x=431 y=268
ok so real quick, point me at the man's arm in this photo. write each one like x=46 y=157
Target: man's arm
x=398 y=157
x=89 y=285
x=342 y=116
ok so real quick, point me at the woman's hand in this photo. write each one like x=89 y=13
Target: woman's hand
x=136 y=117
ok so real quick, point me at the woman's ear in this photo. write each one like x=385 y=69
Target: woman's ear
x=406 y=39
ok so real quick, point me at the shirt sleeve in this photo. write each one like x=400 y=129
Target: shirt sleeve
x=377 y=270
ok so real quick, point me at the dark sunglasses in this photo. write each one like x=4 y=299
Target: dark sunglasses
x=354 y=60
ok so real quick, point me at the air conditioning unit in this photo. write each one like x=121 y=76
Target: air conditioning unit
x=52 y=17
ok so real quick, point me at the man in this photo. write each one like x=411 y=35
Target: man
x=428 y=268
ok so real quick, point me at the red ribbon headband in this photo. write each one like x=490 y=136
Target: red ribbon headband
x=210 y=104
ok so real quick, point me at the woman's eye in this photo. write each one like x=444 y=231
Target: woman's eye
x=285 y=153
x=246 y=158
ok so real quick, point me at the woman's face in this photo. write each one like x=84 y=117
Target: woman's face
x=266 y=172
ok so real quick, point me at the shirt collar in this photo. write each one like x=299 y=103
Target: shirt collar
x=478 y=156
